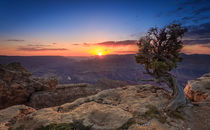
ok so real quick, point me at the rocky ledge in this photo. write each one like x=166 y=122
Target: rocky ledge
x=130 y=107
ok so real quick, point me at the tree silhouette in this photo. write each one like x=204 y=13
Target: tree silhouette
x=159 y=54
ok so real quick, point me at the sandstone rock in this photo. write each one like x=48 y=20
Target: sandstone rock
x=154 y=124
x=50 y=82
x=130 y=107
x=198 y=116
x=109 y=84
x=108 y=109
x=134 y=99
x=62 y=94
x=199 y=89
x=9 y=116
x=99 y=116
x=16 y=85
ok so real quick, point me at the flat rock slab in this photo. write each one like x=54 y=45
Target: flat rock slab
x=99 y=116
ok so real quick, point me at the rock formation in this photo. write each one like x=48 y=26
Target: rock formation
x=130 y=107
x=62 y=94
x=18 y=86
x=9 y=115
x=199 y=89
x=126 y=108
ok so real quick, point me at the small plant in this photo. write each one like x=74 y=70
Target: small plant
x=76 y=125
x=153 y=112
x=61 y=126
x=176 y=114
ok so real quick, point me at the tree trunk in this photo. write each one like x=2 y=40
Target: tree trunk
x=178 y=94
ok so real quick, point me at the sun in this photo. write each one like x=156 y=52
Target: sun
x=100 y=54
x=99 y=51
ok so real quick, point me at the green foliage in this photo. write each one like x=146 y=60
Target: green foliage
x=176 y=114
x=159 y=49
x=153 y=112
x=76 y=125
x=158 y=65
x=61 y=126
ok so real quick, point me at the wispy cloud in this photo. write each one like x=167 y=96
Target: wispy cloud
x=40 y=49
x=76 y=44
x=15 y=40
x=191 y=2
x=125 y=52
x=201 y=10
x=37 y=45
x=199 y=31
x=111 y=43
x=197 y=41
x=207 y=45
x=87 y=44
x=118 y=43
x=191 y=11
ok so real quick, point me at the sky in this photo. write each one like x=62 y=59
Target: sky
x=90 y=27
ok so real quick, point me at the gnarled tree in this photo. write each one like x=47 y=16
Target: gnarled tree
x=159 y=53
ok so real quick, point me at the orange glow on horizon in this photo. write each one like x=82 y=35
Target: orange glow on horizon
x=99 y=51
x=83 y=49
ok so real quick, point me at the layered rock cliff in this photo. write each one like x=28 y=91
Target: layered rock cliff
x=18 y=86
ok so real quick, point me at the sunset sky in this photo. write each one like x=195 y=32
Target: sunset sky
x=90 y=27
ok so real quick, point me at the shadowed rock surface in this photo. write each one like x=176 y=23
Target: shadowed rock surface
x=62 y=94
x=17 y=85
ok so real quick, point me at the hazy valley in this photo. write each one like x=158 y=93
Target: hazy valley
x=98 y=68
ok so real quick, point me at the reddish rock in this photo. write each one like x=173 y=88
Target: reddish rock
x=199 y=89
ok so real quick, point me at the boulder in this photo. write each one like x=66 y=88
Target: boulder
x=17 y=85
x=199 y=89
